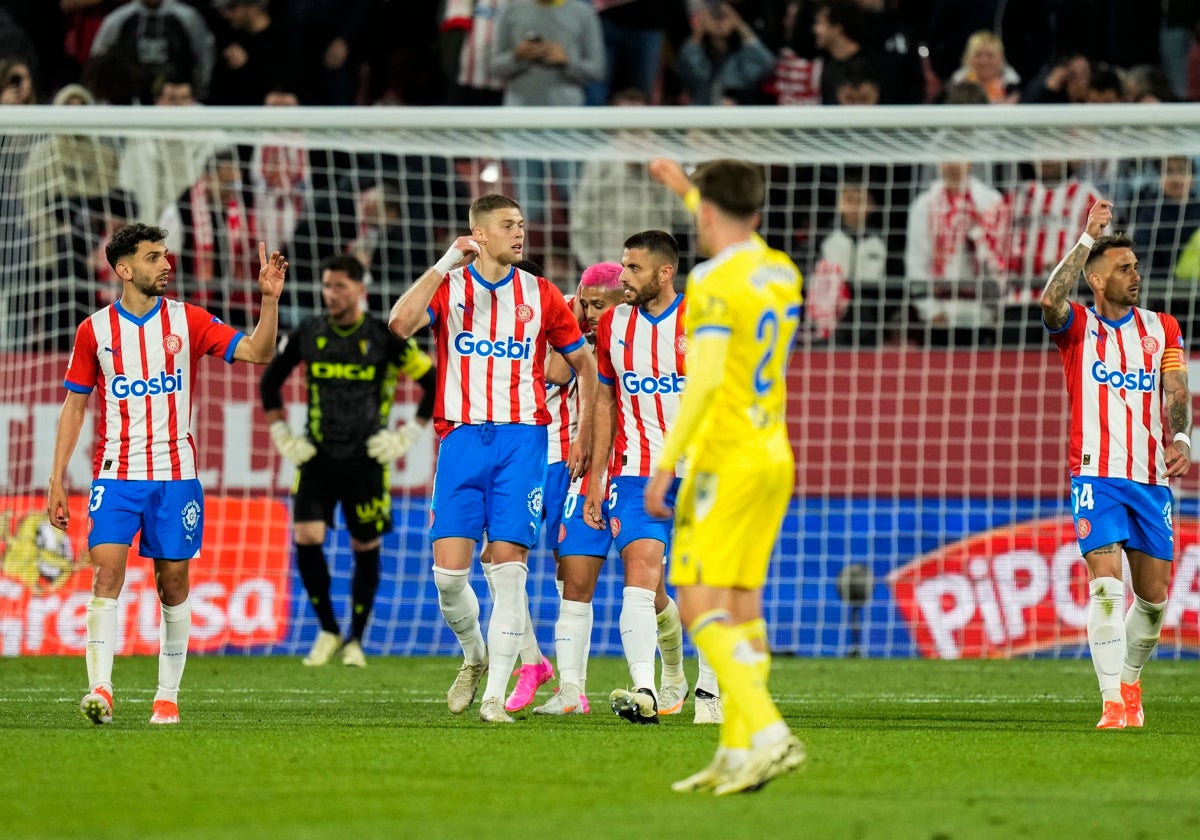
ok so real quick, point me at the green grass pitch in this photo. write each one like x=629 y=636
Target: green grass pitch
x=897 y=749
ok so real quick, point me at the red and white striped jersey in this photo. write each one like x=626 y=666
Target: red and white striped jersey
x=1045 y=224
x=478 y=20
x=642 y=359
x=562 y=401
x=491 y=347
x=146 y=371
x=1114 y=383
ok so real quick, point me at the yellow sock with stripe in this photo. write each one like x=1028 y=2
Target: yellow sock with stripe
x=754 y=633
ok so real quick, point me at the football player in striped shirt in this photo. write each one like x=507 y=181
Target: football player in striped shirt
x=1125 y=368
x=492 y=324
x=640 y=350
x=142 y=354
x=731 y=430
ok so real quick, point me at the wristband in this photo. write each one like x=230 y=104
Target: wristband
x=1086 y=240
x=1182 y=437
x=447 y=263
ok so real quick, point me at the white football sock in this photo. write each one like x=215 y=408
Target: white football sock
x=1106 y=634
x=638 y=635
x=460 y=609
x=506 y=626
x=572 y=632
x=1143 y=625
x=487 y=576
x=173 y=634
x=531 y=654
x=101 y=641
x=670 y=641
x=707 y=679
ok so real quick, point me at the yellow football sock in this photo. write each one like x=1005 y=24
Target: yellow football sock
x=738 y=667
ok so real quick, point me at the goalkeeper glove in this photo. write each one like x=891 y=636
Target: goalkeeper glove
x=386 y=446
x=295 y=448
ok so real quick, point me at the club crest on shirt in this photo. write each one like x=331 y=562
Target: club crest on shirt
x=614 y=526
x=172 y=343
x=681 y=344
x=524 y=313
x=1150 y=344
x=1083 y=528
x=190 y=516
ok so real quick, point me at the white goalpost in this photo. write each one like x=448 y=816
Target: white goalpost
x=927 y=405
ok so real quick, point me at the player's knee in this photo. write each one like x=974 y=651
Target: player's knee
x=450 y=581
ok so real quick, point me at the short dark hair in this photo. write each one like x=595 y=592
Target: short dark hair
x=737 y=187
x=964 y=93
x=859 y=71
x=844 y=13
x=529 y=266
x=1107 y=243
x=124 y=243
x=489 y=204
x=659 y=243
x=347 y=263
x=1106 y=80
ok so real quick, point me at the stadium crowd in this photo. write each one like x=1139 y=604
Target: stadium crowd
x=914 y=254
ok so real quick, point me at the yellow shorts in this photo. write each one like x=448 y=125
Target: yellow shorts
x=726 y=523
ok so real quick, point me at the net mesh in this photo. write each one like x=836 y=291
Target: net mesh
x=926 y=404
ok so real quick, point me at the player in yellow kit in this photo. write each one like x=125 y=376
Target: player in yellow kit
x=739 y=472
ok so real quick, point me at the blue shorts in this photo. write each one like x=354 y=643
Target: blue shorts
x=554 y=499
x=625 y=509
x=1117 y=510
x=490 y=476
x=170 y=515
x=576 y=538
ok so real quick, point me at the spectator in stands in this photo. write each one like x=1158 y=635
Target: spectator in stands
x=165 y=37
x=468 y=30
x=250 y=63
x=633 y=40
x=546 y=51
x=325 y=38
x=722 y=58
x=837 y=28
x=81 y=21
x=281 y=182
x=1168 y=215
x=1180 y=20
x=859 y=84
x=889 y=39
x=156 y=170
x=72 y=200
x=983 y=63
x=796 y=77
x=1046 y=211
x=1068 y=80
x=16 y=83
x=1105 y=86
x=211 y=236
x=957 y=241
x=1148 y=84
x=853 y=254
x=115 y=78
x=614 y=197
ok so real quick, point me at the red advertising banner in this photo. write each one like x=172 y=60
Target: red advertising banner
x=239 y=585
x=1023 y=588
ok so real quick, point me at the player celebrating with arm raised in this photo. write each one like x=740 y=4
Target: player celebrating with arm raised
x=492 y=324
x=1123 y=366
x=351 y=366
x=142 y=353
x=743 y=313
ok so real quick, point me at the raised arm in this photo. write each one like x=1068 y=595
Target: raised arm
x=259 y=346
x=1065 y=275
x=411 y=312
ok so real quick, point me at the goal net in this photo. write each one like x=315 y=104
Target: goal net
x=927 y=407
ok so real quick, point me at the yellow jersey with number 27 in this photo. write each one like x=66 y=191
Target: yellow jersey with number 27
x=752 y=293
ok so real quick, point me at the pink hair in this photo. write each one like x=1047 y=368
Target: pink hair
x=605 y=275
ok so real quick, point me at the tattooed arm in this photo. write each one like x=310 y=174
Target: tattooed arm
x=1055 y=308
x=1178 y=400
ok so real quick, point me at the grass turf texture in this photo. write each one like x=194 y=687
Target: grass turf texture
x=897 y=749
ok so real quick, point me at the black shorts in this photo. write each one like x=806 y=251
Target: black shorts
x=360 y=484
